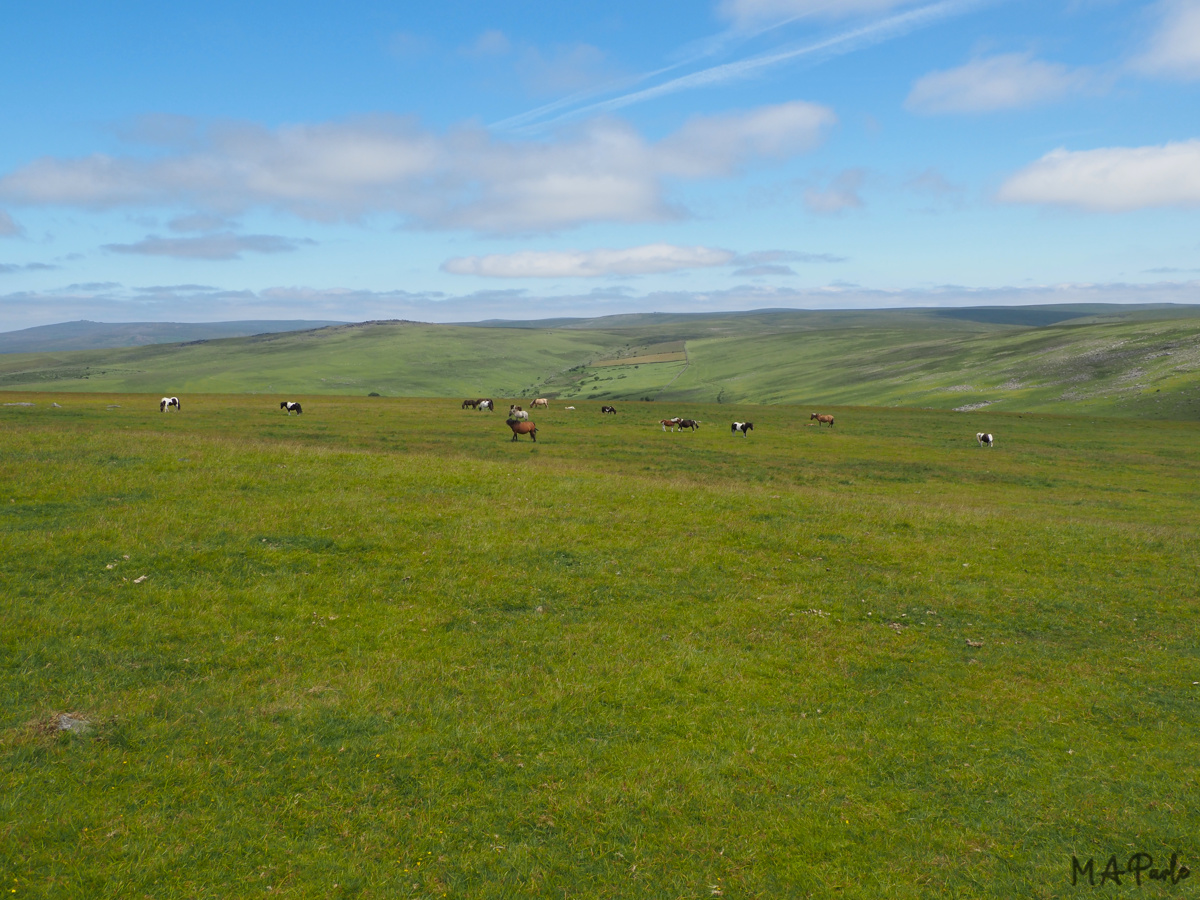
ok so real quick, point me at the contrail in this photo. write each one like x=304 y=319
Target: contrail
x=708 y=47
x=843 y=42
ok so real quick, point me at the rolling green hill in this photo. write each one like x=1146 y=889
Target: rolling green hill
x=85 y=335
x=1107 y=360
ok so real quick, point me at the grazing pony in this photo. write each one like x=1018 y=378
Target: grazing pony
x=985 y=439
x=515 y=412
x=470 y=404
x=822 y=420
x=670 y=423
x=488 y=405
x=688 y=423
x=570 y=407
x=167 y=402
x=743 y=427
x=541 y=402
x=608 y=409
x=291 y=407
x=519 y=427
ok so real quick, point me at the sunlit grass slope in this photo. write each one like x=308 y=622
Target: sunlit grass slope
x=381 y=651
x=418 y=360
x=1123 y=362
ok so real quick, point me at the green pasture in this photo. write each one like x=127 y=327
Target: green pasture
x=380 y=650
x=1138 y=363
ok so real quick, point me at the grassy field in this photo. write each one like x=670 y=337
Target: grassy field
x=379 y=650
x=1141 y=363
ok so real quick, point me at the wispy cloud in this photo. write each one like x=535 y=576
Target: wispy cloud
x=764 y=270
x=564 y=67
x=491 y=42
x=12 y=268
x=646 y=260
x=1174 y=48
x=223 y=246
x=840 y=195
x=767 y=257
x=750 y=13
x=8 y=227
x=199 y=222
x=1006 y=81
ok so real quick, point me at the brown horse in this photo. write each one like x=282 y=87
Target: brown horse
x=470 y=404
x=822 y=420
x=519 y=427
x=688 y=423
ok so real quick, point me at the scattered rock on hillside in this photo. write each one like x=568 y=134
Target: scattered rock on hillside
x=971 y=643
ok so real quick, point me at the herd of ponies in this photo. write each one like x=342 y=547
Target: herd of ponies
x=518 y=418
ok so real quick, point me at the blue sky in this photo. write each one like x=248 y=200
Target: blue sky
x=461 y=161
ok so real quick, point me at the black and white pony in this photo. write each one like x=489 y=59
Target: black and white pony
x=609 y=409
x=743 y=427
x=291 y=407
x=985 y=439
x=488 y=405
x=167 y=402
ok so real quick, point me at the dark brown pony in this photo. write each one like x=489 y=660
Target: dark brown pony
x=688 y=423
x=519 y=428
x=470 y=404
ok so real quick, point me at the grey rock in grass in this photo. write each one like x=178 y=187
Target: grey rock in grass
x=24 y=403
x=73 y=724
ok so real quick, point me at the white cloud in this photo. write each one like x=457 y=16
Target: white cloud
x=1008 y=81
x=755 y=12
x=210 y=246
x=601 y=172
x=716 y=145
x=8 y=228
x=840 y=195
x=1174 y=48
x=647 y=260
x=1111 y=179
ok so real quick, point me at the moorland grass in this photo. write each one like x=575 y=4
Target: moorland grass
x=1137 y=363
x=382 y=651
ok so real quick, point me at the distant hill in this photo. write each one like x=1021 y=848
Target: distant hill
x=85 y=335
x=1101 y=360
